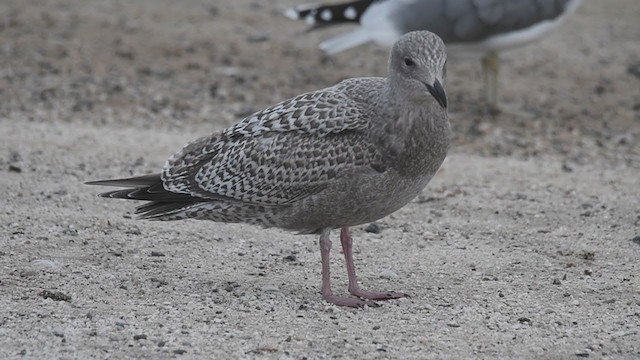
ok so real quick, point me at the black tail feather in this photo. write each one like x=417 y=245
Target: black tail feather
x=138 y=181
x=148 y=188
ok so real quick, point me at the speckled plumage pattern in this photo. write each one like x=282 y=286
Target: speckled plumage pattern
x=336 y=157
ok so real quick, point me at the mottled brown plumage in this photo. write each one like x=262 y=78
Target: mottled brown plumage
x=337 y=157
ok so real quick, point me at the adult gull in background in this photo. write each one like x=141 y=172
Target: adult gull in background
x=468 y=27
x=338 y=157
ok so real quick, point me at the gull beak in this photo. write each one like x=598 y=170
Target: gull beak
x=437 y=91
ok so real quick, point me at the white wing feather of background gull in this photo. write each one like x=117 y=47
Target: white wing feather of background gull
x=468 y=27
x=333 y=158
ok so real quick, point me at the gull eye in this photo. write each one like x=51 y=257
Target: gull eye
x=408 y=62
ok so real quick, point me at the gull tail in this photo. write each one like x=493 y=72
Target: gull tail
x=318 y=15
x=346 y=41
x=162 y=203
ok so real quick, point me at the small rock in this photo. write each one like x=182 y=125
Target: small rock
x=179 y=351
x=634 y=69
x=524 y=320
x=557 y=281
x=373 y=228
x=291 y=258
x=157 y=253
x=82 y=104
x=269 y=288
x=159 y=282
x=212 y=10
x=231 y=285
x=140 y=337
x=15 y=168
x=57 y=296
x=121 y=324
x=134 y=230
x=600 y=89
x=636 y=239
x=258 y=38
x=389 y=274
x=589 y=255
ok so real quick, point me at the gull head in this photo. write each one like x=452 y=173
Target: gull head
x=417 y=67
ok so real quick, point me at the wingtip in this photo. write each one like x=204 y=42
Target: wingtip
x=292 y=14
x=94 y=182
x=304 y=12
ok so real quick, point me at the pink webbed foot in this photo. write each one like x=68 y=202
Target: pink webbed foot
x=362 y=297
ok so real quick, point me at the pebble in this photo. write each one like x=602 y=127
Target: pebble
x=389 y=274
x=57 y=296
x=269 y=288
x=373 y=228
x=258 y=38
x=634 y=69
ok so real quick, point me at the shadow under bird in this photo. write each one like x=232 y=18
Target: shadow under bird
x=338 y=157
x=474 y=28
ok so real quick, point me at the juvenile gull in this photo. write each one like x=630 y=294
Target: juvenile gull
x=468 y=27
x=333 y=158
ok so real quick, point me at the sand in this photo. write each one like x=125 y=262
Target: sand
x=525 y=245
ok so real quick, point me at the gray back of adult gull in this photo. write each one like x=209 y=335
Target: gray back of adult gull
x=455 y=21
x=469 y=27
x=333 y=158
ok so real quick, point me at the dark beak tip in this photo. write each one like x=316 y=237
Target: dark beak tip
x=437 y=91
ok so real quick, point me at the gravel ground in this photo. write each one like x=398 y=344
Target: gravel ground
x=525 y=245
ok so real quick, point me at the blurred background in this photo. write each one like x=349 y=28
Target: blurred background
x=209 y=63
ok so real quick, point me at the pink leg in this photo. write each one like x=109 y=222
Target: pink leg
x=354 y=289
x=327 y=294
